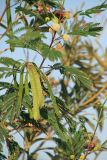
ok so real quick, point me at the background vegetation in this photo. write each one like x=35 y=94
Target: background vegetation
x=47 y=103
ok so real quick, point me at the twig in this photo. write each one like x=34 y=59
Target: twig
x=99 y=60
x=99 y=118
x=42 y=63
x=90 y=100
x=45 y=148
x=13 y=5
x=53 y=37
x=7 y=5
x=6 y=49
x=94 y=96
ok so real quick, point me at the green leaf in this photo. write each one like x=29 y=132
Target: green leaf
x=88 y=121
x=5 y=71
x=94 y=10
x=9 y=62
x=104 y=144
x=32 y=40
x=26 y=39
x=26 y=11
x=86 y=29
x=14 y=149
x=9 y=22
x=3 y=134
x=52 y=119
x=27 y=102
x=2 y=69
x=26 y=84
x=51 y=95
x=5 y=85
x=2 y=75
x=47 y=52
x=7 y=102
x=80 y=75
x=100 y=113
x=20 y=94
x=8 y=108
x=9 y=19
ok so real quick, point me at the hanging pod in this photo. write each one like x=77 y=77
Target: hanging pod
x=37 y=93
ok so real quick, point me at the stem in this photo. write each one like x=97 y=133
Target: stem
x=42 y=63
x=6 y=49
x=99 y=60
x=99 y=118
x=53 y=37
x=93 y=97
x=7 y=5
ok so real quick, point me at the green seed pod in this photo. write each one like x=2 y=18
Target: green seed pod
x=37 y=94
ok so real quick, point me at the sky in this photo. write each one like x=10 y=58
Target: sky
x=69 y=5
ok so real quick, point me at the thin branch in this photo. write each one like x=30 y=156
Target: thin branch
x=99 y=60
x=91 y=99
x=53 y=37
x=7 y=5
x=13 y=5
x=42 y=63
x=95 y=95
x=99 y=118
x=6 y=49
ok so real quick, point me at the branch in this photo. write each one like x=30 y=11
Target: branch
x=6 y=49
x=91 y=99
x=95 y=95
x=102 y=63
x=7 y=5
x=99 y=118
x=53 y=37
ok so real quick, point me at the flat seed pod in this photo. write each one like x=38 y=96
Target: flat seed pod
x=38 y=98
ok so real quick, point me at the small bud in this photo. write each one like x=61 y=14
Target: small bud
x=56 y=27
x=67 y=14
x=55 y=19
x=47 y=19
x=72 y=157
x=59 y=47
x=97 y=148
x=40 y=8
x=93 y=144
x=48 y=8
x=82 y=157
x=51 y=30
x=66 y=37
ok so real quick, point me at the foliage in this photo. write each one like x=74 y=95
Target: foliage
x=93 y=10
x=39 y=107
